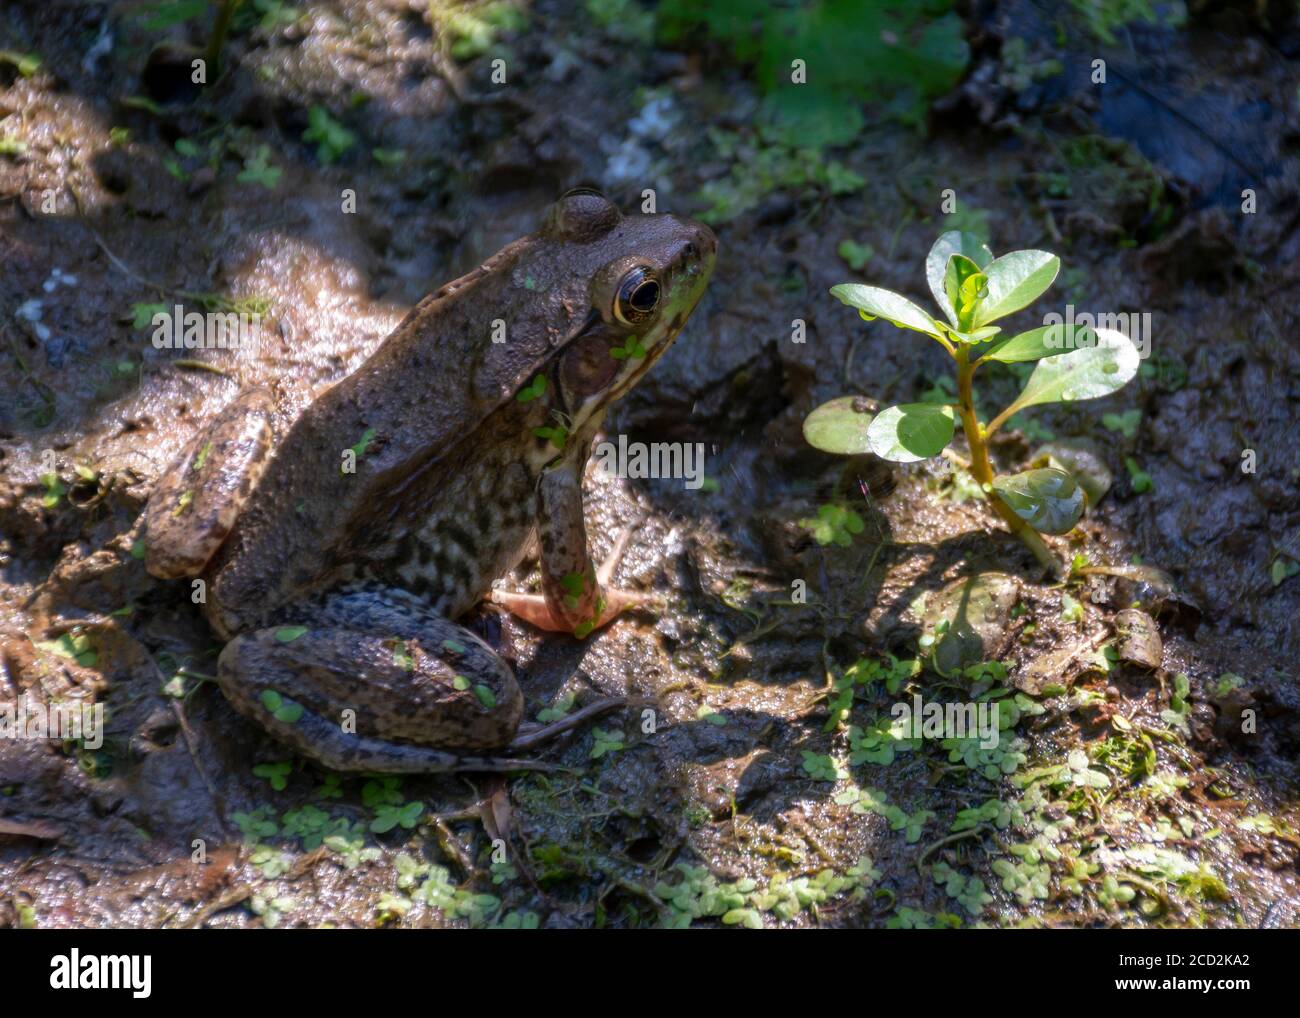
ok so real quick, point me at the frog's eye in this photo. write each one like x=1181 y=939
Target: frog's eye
x=637 y=297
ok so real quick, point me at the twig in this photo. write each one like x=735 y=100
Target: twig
x=948 y=840
x=238 y=895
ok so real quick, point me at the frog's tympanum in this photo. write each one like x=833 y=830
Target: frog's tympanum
x=335 y=556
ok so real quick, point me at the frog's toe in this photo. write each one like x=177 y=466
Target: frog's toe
x=361 y=701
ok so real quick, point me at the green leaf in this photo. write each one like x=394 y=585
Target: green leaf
x=26 y=63
x=1125 y=423
x=855 y=255
x=1087 y=373
x=167 y=14
x=839 y=426
x=54 y=490
x=1048 y=341
x=1139 y=478
x=143 y=314
x=532 y=390
x=873 y=302
x=834 y=525
x=332 y=138
x=975 y=337
x=366 y=438
x=965 y=286
x=555 y=436
x=750 y=918
x=76 y=646
x=1047 y=499
x=1016 y=280
x=288 y=712
x=911 y=432
x=954 y=242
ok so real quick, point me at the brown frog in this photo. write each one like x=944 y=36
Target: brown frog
x=336 y=555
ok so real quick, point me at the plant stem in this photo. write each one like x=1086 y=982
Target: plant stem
x=982 y=469
x=218 y=37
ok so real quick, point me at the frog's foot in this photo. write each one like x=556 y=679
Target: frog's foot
x=556 y=616
x=196 y=501
x=536 y=611
x=367 y=681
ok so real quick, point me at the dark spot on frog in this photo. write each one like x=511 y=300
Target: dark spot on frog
x=462 y=576
x=459 y=537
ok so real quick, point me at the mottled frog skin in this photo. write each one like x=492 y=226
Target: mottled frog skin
x=336 y=556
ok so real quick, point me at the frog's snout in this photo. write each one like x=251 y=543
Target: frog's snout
x=698 y=247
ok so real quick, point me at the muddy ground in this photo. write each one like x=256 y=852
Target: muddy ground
x=754 y=792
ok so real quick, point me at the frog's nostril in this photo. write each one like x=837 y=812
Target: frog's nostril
x=706 y=239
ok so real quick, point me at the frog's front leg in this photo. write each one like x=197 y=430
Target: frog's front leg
x=196 y=501
x=576 y=597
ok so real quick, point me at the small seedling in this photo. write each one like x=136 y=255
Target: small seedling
x=605 y=743
x=331 y=138
x=973 y=289
x=388 y=816
x=258 y=169
x=276 y=773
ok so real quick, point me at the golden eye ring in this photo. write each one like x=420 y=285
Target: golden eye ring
x=638 y=296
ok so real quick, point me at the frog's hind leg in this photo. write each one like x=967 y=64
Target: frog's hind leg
x=196 y=501
x=372 y=680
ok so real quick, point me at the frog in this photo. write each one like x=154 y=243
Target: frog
x=334 y=555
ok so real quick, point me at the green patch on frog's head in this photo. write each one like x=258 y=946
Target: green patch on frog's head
x=646 y=274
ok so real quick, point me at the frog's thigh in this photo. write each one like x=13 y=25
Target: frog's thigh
x=373 y=681
x=195 y=503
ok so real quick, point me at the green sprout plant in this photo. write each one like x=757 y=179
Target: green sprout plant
x=1071 y=363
